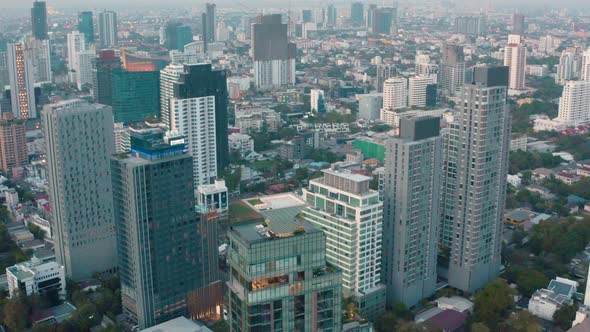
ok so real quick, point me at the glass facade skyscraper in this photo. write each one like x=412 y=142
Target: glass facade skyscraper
x=135 y=95
x=39 y=20
x=157 y=237
x=86 y=26
x=279 y=280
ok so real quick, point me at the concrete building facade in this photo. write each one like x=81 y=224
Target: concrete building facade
x=79 y=142
x=474 y=181
x=411 y=210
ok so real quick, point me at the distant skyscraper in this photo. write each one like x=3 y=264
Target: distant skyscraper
x=273 y=55
x=13 y=143
x=4 y=81
x=585 y=74
x=518 y=27
x=177 y=35
x=474 y=185
x=570 y=66
x=384 y=71
x=86 y=26
x=331 y=15
x=369 y=20
x=317 y=102
x=160 y=270
x=515 y=59
x=107 y=29
x=102 y=76
x=76 y=44
x=574 y=104
x=311 y=300
x=22 y=82
x=39 y=52
x=383 y=21
x=452 y=68
x=135 y=95
x=209 y=23
x=471 y=25
x=417 y=87
x=411 y=210
x=357 y=13
x=84 y=75
x=39 y=19
x=79 y=143
x=306 y=15
x=195 y=105
x=342 y=206
x=431 y=95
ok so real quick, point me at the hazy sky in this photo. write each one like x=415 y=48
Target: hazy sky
x=20 y=4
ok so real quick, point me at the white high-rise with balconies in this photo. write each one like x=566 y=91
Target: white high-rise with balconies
x=585 y=75
x=395 y=93
x=84 y=74
x=569 y=67
x=76 y=44
x=417 y=90
x=351 y=215
x=574 y=104
x=168 y=76
x=395 y=97
x=515 y=59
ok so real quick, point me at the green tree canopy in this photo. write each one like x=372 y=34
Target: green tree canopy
x=565 y=315
x=493 y=302
x=529 y=281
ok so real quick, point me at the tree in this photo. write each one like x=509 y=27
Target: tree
x=565 y=315
x=5 y=216
x=86 y=317
x=16 y=314
x=38 y=233
x=479 y=327
x=523 y=321
x=385 y=322
x=492 y=303
x=380 y=128
x=529 y=281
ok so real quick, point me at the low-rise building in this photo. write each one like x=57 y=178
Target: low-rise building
x=537 y=70
x=213 y=197
x=568 y=176
x=518 y=217
x=241 y=143
x=546 y=301
x=257 y=119
x=456 y=303
x=540 y=174
x=518 y=143
x=544 y=123
x=35 y=277
x=514 y=180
